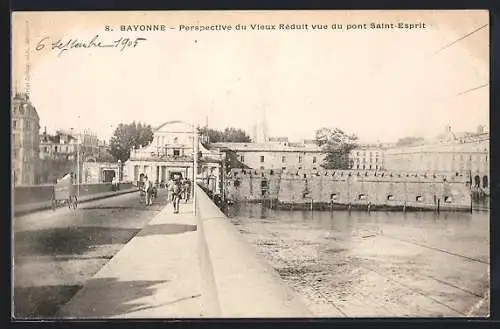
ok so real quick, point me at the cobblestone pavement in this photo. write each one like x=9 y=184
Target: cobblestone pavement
x=56 y=252
x=377 y=264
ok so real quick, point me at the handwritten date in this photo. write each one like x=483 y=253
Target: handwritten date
x=62 y=46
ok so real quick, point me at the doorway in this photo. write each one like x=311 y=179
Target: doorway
x=175 y=175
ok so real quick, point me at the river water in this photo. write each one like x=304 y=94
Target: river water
x=378 y=264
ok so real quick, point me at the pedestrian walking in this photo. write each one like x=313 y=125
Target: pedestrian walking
x=171 y=184
x=176 y=195
x=149 y=192
x=187 y=189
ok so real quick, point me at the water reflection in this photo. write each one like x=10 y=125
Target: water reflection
x=344 y=220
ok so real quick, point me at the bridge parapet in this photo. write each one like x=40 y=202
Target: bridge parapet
x=236 y=281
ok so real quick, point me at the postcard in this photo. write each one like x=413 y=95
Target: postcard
x=256 y=164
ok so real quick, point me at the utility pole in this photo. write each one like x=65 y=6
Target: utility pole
x=195 y=163
x=78 y=168
x=78 y=141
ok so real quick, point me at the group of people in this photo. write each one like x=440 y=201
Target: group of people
x=178 y=188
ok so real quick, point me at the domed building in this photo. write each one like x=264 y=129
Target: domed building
x=25 y=140
x=172 y=153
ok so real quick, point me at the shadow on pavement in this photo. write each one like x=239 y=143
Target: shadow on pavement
x=68 y=240
x=42 y=301
x=106 y=297
x=166 y=229
x=135 y=207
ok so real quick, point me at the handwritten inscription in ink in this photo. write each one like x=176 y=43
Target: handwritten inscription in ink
x=61 y=46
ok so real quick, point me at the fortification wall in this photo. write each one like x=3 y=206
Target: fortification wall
x=352 y=188
x=253 y=185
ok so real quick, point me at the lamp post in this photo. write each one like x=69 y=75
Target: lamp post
x=119 y=170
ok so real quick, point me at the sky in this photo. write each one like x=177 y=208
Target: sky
x=378 y=84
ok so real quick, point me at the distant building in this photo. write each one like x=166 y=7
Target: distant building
x=449 y=152
x=63 y=144
x=278 y=153
x=367 y=157
x=58 y=153
x=58 y=146
x=25 y=143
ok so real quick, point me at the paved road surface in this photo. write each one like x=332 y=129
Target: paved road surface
x=56 y=252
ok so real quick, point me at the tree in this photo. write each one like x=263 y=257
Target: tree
x=236 y=135
x=406 y=141
x=230 y=134
x=128 y=137
x=336 y=144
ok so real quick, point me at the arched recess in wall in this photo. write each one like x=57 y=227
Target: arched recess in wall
x=485 y=181
x=477 y=180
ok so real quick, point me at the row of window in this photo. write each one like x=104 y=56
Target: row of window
x=364 y=154
x=358 y=166
x=364 y=160
x=27 y=124
x=283 y=159
x=175 y=152
x=453 y=157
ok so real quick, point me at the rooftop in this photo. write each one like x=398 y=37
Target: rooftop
x=291 y=147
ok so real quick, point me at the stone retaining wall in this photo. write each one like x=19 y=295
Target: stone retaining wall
x=351 y=188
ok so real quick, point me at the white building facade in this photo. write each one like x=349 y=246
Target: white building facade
x=172 y=153
x=367 y=157
x=277 y=155
x=450 y=153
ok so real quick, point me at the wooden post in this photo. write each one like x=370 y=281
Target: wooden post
x=312 y=204
x=439 y=202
